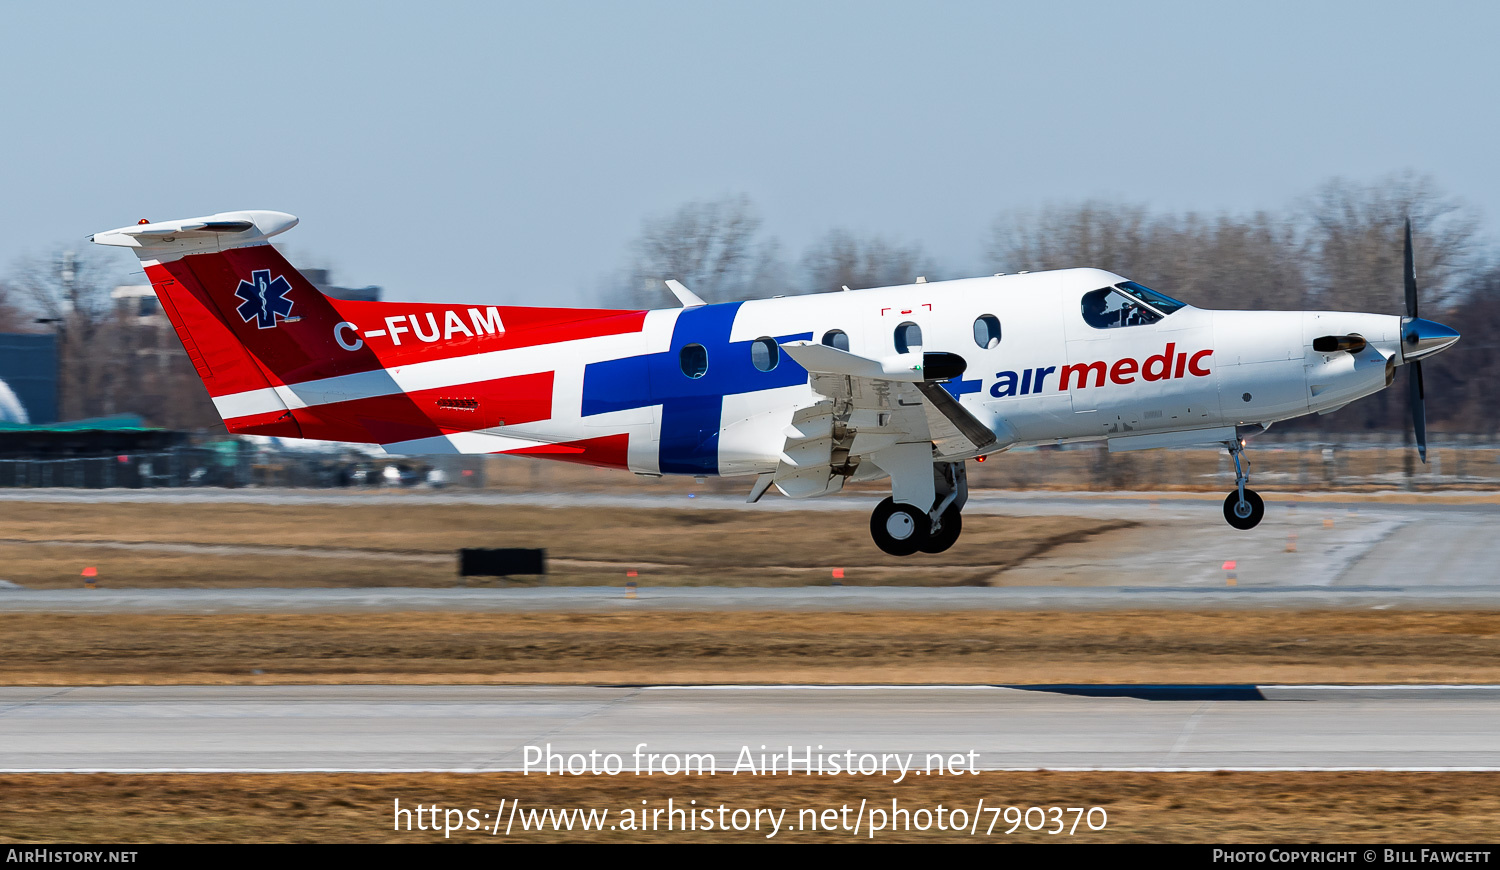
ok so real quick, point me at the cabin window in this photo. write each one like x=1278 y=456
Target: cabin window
x=694 y=358
x=908 y=336
x=837 y=338
x=765 y=354
x=987 y=331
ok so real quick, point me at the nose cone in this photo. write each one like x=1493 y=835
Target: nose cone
x=1423 y=338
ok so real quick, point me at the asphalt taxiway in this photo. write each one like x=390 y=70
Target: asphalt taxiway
x=482 y=728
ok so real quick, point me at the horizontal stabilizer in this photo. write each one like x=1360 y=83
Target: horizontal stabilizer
x=168 y=240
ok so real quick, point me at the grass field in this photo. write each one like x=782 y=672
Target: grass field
x=1238 y=807
x=744 y=647
x=48 y=544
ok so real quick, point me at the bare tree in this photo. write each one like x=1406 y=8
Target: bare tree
x=1104 y=235
x=1220 y=262
x=1227 y=262
x=1354 y=242
x=15 y=311
x=1460 y=381
x=71 y=291
x=841 y=260
x=712 y=246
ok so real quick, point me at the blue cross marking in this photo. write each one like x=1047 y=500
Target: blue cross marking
x=265 y=298
x=691 y=408
x=960 y=387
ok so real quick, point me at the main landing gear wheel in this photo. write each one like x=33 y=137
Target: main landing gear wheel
x=1246 y=514
x=898 y=529
x=947 y=533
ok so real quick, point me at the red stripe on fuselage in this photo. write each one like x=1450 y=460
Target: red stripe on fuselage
x=609 y=451
x=427 y=413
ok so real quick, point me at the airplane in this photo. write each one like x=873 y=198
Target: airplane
x=804 y=393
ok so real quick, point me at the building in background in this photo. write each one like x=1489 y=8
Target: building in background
x=319 y=279
x=28 y=367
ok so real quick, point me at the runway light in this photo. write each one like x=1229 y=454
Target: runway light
x=89 y=574
x=1229 y=577
x=629 y=573
x=838 y=573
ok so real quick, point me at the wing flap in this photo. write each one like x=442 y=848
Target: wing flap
x=954 y=430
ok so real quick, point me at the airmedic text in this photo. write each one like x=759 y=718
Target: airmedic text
x=1167 y=365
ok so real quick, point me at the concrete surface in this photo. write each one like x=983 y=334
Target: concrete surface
x=471 y=728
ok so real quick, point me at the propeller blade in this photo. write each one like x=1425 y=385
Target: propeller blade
x=1410 y=271
x=1419 y=410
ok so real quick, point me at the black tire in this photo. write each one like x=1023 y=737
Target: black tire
x=1257 y=509
x=947 y=534
x=898 y=529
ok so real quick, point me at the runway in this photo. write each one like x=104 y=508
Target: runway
x=614 y=599
x=487 y=728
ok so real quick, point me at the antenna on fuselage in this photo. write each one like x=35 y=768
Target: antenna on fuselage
x=688 y=298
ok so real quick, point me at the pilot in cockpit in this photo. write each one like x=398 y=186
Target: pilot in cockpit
x=1094 y=313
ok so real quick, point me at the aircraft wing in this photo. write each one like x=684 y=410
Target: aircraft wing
x=888 y=401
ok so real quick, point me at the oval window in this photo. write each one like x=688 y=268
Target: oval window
x=694 y=359
x=765 y=354
x=908 y=336
x=836 y=338
x=987 y=331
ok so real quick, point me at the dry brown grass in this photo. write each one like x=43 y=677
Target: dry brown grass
x=741 y=647
x=1362 y=807
x=46 y=545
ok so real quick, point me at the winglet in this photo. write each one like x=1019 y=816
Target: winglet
x=688 y=298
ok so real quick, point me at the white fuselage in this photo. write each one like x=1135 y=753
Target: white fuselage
x=1195 y=370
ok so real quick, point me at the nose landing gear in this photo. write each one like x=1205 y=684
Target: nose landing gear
x=1243 y=508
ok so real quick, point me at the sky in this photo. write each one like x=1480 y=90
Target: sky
x=509 y=152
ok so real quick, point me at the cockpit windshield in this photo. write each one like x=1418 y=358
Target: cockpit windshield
x=1160 y=301
x=1126 y=304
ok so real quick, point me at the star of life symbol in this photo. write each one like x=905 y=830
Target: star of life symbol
x=265 y=298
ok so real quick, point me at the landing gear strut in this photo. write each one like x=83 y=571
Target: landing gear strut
x=1243 y=508
x=902 y=529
